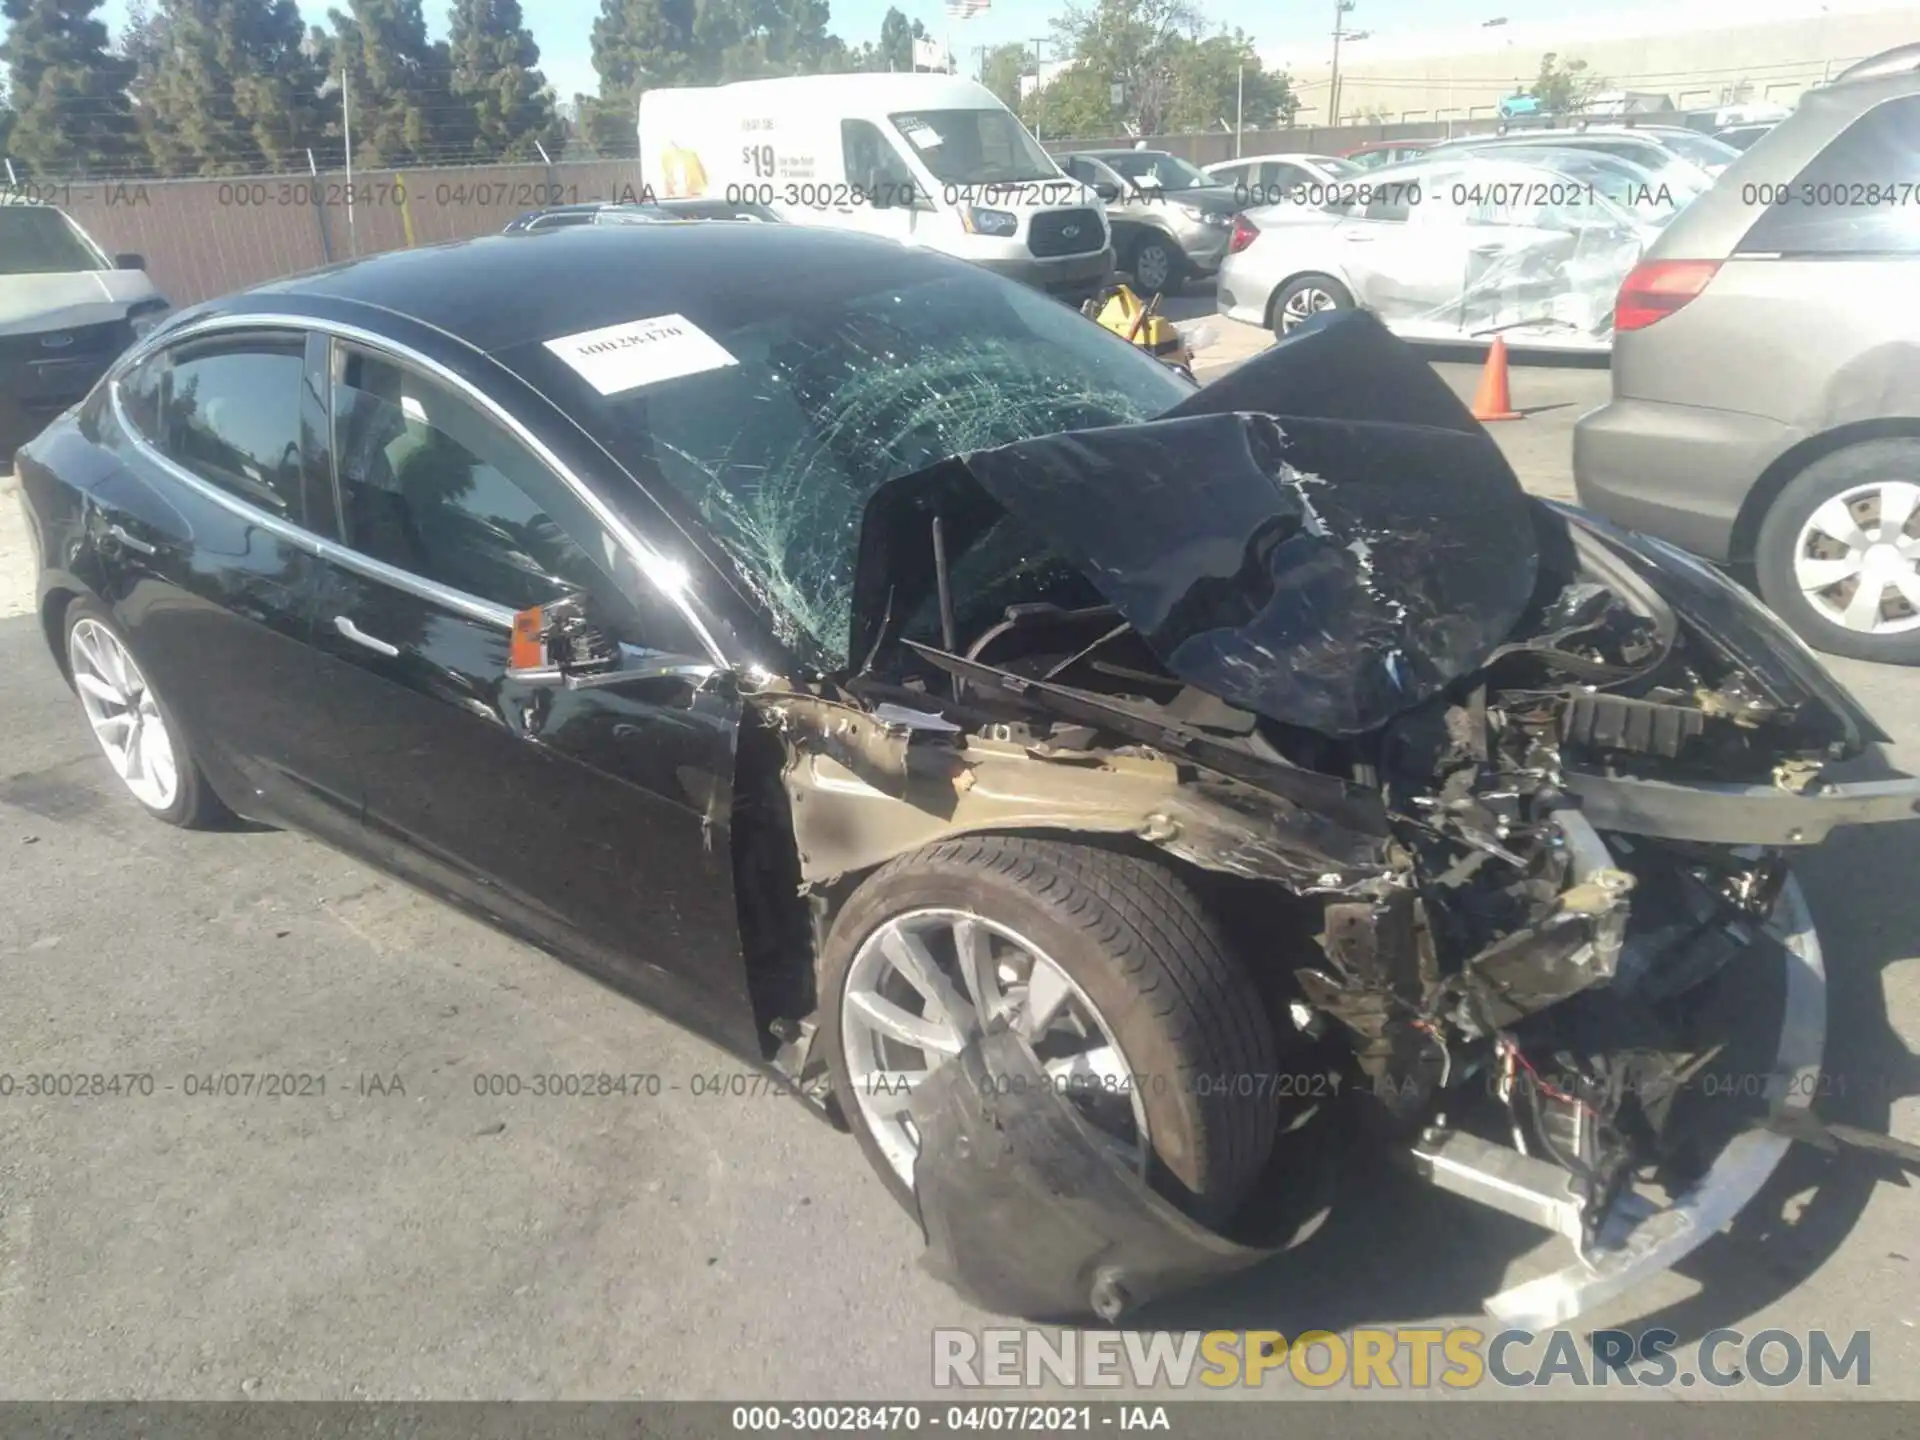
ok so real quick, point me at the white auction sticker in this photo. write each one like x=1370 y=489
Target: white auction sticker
x=624 y=357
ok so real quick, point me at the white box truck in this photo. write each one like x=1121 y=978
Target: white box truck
x=923 y=159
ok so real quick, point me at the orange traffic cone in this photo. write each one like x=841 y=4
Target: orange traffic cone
x=1493 y=402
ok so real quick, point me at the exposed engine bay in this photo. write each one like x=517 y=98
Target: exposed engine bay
x=1512 y=795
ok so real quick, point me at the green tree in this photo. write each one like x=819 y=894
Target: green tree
x=499 y=95
x=1563 y=88
x=637 y=45
x=67 y=90
x=1001 y=72
x=224 y=86
x=1076 y=103
x=1134 y=44
x=1212 y=77
x=897 y=35
x=402 y=110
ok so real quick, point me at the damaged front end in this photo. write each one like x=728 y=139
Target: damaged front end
x=1532 y=784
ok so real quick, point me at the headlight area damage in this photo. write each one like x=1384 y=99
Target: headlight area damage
x=1505 y=798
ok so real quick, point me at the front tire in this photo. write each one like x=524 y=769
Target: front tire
x=1134 y=978
x=1158 y=265
x=1838 y=556
x=133 y=724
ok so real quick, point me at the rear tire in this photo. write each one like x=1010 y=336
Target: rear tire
x=135 y=727
x=1139 y=947
x=1824 y=584
x=1303 y=297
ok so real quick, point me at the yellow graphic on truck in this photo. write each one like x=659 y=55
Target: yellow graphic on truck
x=682 y=174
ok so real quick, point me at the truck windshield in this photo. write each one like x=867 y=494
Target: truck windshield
x=965 y=147
x=36 y=240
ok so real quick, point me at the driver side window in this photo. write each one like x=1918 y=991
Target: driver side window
x=869 y=158
x=431 y=486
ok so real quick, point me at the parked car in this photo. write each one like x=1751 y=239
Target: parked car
x=1451 y=248
x=1268 y=179
x=1170 y=220
x=1650 y=151
x=1741 y=137
x=1798 y=456
x=849 y=670
x=66 y=310
x=1376 y=153
x=641 y=212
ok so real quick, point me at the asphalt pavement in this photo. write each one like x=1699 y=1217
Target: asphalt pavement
x=404 y=1236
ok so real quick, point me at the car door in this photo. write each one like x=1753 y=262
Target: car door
x=1404 y=244
x=587 y=820
x=874 y=170
x=209 y=531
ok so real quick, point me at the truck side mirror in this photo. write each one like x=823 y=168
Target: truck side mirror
x=1107 y=190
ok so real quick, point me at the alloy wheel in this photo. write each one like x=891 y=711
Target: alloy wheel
x=925 y=983
x=1303 y=305
x=124 y=714
x=1857 y=560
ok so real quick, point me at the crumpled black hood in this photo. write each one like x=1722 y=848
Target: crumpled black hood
x=1327 y=541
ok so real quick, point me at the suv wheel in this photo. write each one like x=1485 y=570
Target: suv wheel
x=1158 y=265
x=1838 y=556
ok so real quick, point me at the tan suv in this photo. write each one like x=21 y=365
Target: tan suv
x=1766 y=370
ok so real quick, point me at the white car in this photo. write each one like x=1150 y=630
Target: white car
x=1270 y=179
x=67 y=310
x=1453 y=249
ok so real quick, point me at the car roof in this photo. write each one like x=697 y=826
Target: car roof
x=1715 y=223
x=501 y=291
x=1312 y=157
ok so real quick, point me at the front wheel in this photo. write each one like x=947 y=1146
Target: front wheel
x=1304 y=297
x=1158 y=265
x=1106 y=963
x=1838 y=556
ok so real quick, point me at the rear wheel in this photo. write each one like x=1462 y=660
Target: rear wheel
x=133 y=724
x=1106 y=963
x=1838 y=556
x=1304 y=297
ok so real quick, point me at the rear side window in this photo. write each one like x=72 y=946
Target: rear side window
x=228 y=409
x=1859 y=196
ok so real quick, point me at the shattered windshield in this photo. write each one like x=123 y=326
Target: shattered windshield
x=38 y=240
x=830 y=397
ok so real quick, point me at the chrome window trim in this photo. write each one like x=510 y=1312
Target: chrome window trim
x=473 y=606
x=657 y=569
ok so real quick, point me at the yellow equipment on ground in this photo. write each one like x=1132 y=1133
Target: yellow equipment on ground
x=1120 y=311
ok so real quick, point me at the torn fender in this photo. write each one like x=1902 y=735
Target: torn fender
x=863 y=793
x=1027 y=1212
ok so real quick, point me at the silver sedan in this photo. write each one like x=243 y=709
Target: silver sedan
x=1446 y=250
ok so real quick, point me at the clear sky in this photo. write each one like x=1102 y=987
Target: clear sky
x=563 y=27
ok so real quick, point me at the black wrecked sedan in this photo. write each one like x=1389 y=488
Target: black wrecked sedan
x=1097 y=793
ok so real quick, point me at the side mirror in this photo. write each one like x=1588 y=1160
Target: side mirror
x=129 y=260
x=559 y=646
x=1107 y=191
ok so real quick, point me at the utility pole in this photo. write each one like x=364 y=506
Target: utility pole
x=1341 y=8
x=1239 y=106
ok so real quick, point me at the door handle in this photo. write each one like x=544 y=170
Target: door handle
x=360 y=637
x=118 y=534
